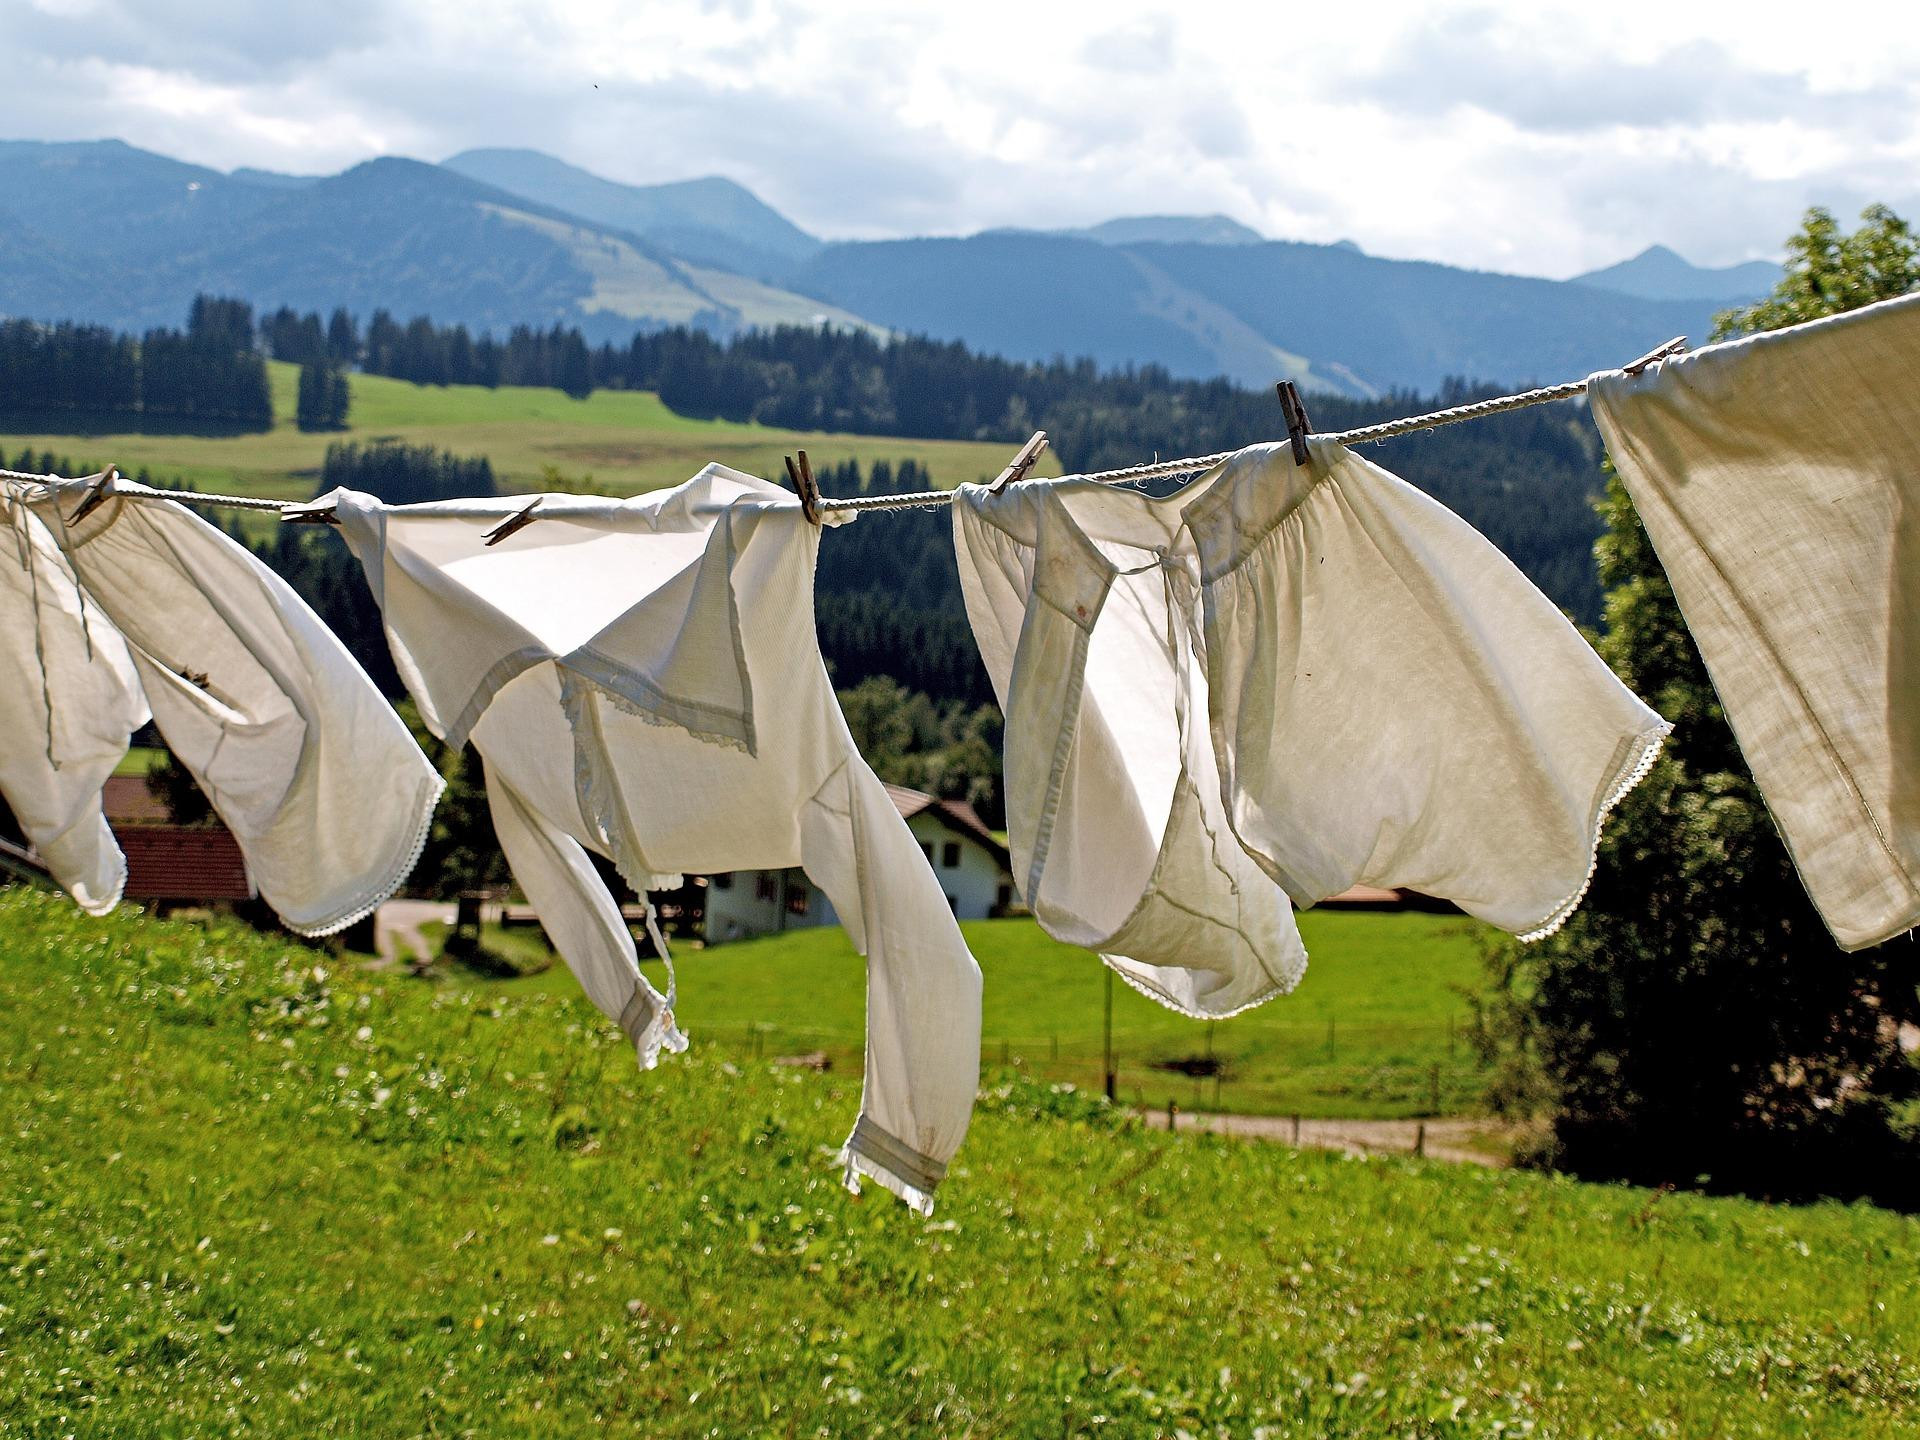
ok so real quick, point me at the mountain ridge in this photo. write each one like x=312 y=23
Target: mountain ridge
x=1200 y=296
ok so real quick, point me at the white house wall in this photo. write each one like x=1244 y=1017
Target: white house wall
x=744 y=909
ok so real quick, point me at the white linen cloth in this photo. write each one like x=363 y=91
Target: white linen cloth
x=1394 y=703
x=325 y=791
x=643 y=682
x=69 y=700
x=1778 y=477
x=1389 y=701
x=1084 y=601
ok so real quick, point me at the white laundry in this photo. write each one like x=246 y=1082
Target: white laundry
x=68 y=704
x=643 y=681
x=1394 y=703
x=1084 y=601
x=1778 y=477
x=1389 y=701
x=326 y=793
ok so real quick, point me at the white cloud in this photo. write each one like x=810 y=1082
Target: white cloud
x=1546 y=141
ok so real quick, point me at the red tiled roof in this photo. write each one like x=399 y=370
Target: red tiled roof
x=184 y=863
x=128 y=802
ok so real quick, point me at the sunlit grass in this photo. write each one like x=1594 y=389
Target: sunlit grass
x=245 y=1189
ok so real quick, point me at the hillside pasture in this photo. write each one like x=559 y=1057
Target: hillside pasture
x=1377 y=1030
x=247 y=1190
x=626 y=440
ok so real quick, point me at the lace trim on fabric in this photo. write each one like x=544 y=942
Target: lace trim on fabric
x=1646 y=751
x=654 y=717
x=1282 y=986
x=650 y=1026
x=892 y=1164
x=371 y=899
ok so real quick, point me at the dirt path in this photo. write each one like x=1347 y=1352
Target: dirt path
x=1466 y=1141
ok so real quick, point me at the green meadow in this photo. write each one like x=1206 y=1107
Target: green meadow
x=626 y=440
x=1376 y=1030
x=248 y=1190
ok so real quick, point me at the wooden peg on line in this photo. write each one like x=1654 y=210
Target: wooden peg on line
x=519 y=520
x=308 y=515
x=1298 y=426
x=1022 y=462
x=1658 y=353
x=98 y=493
x=805 y=487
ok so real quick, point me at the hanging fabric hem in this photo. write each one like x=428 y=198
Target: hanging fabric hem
x=377 y=894
x=100 y=909
x=892 y=1164
x=659 y=1032
x=1647 y=747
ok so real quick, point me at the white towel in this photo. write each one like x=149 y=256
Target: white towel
x=1778 y=477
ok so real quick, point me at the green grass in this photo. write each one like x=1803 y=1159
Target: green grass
x=627 y=440
x=247 y=1191
x=1379 y=1018
x=138 y=760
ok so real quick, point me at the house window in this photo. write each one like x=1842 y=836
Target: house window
x=1003 y=896
x=926 y=849
x=799 y=896
x=766 y=886
x=950 y=855
x=721 y=882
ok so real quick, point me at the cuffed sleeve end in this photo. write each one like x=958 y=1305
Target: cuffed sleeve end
x=892 y=1164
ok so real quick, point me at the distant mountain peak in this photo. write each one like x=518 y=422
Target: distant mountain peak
x=710 y=220
x=1662 y=273
x=1170 y=230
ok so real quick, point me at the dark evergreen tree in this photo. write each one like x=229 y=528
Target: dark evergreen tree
x=323 y=397
x=343 y=339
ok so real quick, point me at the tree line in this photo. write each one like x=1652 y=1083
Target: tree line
x=207 y=373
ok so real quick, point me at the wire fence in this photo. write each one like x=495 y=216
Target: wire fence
x=1332 y=1067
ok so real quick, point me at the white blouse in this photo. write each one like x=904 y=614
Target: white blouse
x=643 y=682
x=1385 y=699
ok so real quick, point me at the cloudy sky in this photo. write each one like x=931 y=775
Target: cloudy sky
x=1544 y=139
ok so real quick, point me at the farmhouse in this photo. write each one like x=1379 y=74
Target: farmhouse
x=970 y=861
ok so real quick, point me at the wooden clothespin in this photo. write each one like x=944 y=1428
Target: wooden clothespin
x=307 y=515
x=98 y=493
x=806 y=487
x=1298 y=426
x=1022 y=462
x=519 y=520
x=1658 y=353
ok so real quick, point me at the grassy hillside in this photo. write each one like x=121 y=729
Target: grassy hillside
x=1378 y=1021
x=245 y=1191
x=627 y=440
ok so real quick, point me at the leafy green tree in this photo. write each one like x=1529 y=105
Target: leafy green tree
x=1694 y=1022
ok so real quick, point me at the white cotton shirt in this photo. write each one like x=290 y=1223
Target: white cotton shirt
x=68 y=704
x=1084 y=601
x=1778 y=477
x=1347 y=684
x=301 y=757
x=1393 y=703
x=643 y=682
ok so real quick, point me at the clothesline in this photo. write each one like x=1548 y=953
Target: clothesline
x=929 y=499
